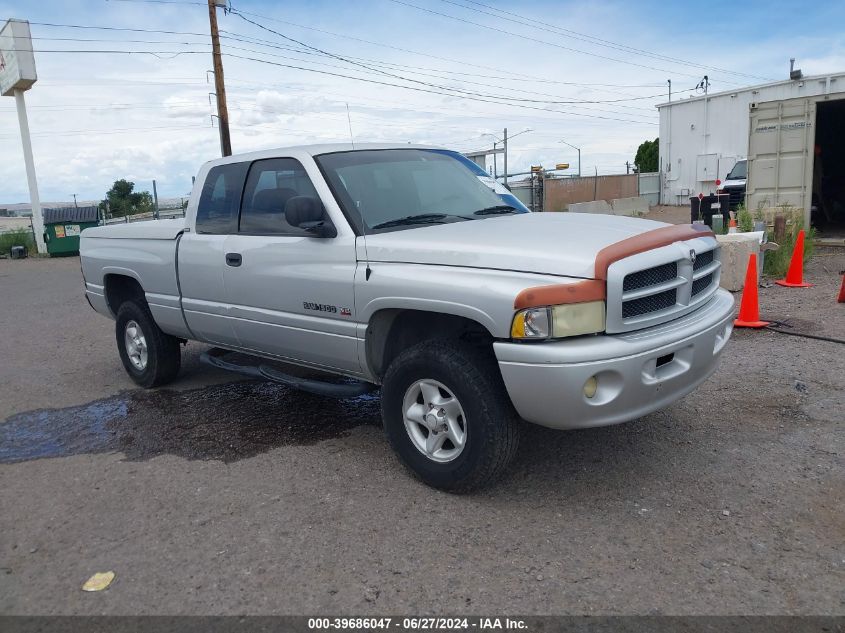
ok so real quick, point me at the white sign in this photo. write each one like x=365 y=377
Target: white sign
x=72 y=230
x=17 y=61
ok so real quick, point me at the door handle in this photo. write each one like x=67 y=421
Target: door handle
x=233 y=259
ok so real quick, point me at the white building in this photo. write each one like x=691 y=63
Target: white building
x=782 y=128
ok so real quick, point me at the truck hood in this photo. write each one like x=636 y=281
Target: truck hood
x=564 y=244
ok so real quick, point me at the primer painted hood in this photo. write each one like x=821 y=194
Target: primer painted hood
x=563 y=244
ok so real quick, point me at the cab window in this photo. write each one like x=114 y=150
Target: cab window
x=217 y=211
x=269 y=186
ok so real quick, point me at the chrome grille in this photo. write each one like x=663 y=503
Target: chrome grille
x=665 y=283
x=651 y=303
x=650 y=276
x=702 y=260
x=701 y=284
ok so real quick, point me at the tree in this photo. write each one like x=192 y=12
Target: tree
x=123 y=200
x=647 y=159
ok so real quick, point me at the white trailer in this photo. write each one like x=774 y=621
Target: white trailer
x=790 y=131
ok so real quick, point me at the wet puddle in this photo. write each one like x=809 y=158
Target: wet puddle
x=225 y=422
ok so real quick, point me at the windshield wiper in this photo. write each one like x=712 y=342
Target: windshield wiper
x=420 y=218
x=499 y=209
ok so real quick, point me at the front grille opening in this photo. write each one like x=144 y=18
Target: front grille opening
x=650 y=276
x=703 y=259
x=701 y=284
x=651 y=303
x=665 y=360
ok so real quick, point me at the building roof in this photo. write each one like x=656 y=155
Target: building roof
x=832 y=76
x=70 y=214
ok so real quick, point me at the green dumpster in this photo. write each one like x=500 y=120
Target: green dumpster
x=63 y=225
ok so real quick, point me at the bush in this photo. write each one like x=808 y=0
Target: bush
x=777 y=262
x=744 y=221
x=18 y=237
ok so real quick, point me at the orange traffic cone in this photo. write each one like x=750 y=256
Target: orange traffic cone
x=841 y=298
x=749 y=310
x=795 y=274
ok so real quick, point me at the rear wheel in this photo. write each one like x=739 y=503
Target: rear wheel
x=447 y=415
x=150 y=357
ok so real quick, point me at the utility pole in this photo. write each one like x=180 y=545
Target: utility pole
x=505 y=146
x=75 y=206
x=495 y=175
x=627 y=167
x=219 y=85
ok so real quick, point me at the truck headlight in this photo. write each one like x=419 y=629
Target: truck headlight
x=532 y=323
x=559 y=321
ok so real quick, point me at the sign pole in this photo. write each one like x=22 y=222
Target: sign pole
x=37 y=220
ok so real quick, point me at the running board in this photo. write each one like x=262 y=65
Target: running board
x=263 y=372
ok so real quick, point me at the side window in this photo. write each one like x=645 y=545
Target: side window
x=269 y=186
x=217 y=211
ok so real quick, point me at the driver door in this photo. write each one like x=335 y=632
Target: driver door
x=291 y=293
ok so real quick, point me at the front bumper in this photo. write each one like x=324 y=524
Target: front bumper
x=637 y=372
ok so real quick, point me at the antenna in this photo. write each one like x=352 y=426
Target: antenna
x=349 y=120
x=369 y=271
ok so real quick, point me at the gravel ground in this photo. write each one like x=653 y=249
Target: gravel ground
x=222 y=496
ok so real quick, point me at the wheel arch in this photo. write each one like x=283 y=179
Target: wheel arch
x=119 y=287
x=392 y=330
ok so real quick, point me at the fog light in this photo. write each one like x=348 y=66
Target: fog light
x=590 y=386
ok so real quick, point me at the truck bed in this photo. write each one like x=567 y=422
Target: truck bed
x=149 y=230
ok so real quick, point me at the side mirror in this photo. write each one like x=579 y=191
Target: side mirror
x=306 y=212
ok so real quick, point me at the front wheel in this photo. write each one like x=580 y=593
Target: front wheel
x=150 y=357
x=447 y=415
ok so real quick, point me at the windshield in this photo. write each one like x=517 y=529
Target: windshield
x=506 y=196
x=395 y=189
x=739 y=172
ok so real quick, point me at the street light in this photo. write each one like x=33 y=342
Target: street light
x=579 y=155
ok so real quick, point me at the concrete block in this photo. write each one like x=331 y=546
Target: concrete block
x=630 y=206
x=736 y=248
x=596 y=206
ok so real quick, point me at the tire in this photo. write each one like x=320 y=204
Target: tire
x=485 y=414
x=157 y=361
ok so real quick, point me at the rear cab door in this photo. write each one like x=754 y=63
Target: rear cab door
x=292 y=293
x=201 y=255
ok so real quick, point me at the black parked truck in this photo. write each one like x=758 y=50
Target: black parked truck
x=734 y=184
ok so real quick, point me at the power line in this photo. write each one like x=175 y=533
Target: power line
x=420 y=82
x=460 y=62
x=524 y=21
x=440 y=111
x=572 y=100
x=116 y=28
x=447 y=94
x=466 y=81
x=255 y=40
x=114 y=131
x=115 y=51
x=162 y=2
x=113 y=41
x=539 y=41
x=504 y=97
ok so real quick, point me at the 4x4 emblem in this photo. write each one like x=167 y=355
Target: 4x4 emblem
x=692 y=255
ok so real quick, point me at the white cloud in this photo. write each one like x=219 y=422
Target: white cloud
x=96 y=118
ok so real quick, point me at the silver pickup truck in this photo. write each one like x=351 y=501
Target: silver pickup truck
x=407 y=268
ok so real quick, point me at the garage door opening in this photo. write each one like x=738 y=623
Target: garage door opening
x=828 y=201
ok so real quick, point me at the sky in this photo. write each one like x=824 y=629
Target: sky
x=130 y=98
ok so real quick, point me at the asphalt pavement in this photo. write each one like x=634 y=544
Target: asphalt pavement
x=223 y=496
